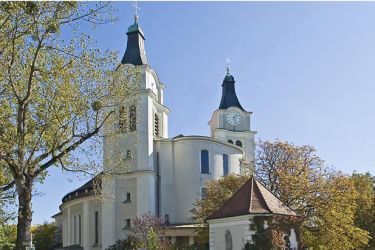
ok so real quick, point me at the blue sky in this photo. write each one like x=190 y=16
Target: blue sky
x=306 y=70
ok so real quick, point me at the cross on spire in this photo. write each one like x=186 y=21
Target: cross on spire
x=136 y=8
x=228 y=61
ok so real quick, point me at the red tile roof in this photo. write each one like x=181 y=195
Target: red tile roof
x=251 y=198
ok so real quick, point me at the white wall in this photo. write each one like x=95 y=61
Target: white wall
x=181 y=177
x=222 y=130
x=239 y=227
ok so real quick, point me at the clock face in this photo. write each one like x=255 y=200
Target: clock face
x=233 y=117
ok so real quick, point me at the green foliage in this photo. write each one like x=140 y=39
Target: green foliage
x=337 y=210
x=127 y=244
x=272 y=237
x=8 y=235
x=58 y=93
x=325 y=198
x=148 y=232
x=44 y=236
x=218 y=191
x=151 y=242
x=365 y=211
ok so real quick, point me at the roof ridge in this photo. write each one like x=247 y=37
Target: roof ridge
x=262 y=196
x=275 y=197
x=251 y=197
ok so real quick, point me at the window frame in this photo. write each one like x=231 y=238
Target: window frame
x=127 y=224
x=127 y=197
x=132 y=118
x=157 y=127
x=96 y=228
x=225 y=165
x=203 y=193
x=202 y=163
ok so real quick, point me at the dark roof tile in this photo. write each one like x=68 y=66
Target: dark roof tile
x=251 y=198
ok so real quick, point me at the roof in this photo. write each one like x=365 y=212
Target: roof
x=229 y=97
x=135 y=51
x=252 y=198
x=84 y=190
x=57 y=215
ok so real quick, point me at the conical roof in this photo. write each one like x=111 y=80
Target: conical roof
x=252 y=198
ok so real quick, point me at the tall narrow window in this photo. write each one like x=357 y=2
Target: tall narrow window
x=228 y=240
x=239 y=143
x=204 y=162
x=79 y=230
x=203 y=193
x=127 y=224
x=96 y=227
x=75 y=229
x=225 y=165
x=157 y=126
x=122 y=120
x=127 y=198
x=133 y=118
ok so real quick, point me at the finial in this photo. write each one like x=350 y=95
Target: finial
x=136 y=8
x=227 y=60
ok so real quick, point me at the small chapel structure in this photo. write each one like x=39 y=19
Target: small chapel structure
x=251 y=209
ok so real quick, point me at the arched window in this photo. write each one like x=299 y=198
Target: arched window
x=230 y=141
x=239 y=143
x=228 y=241
x=204 y=162
x=122 y=120
x=133 y=118
x=225 y=165
x=156 y=126
x=203 y=193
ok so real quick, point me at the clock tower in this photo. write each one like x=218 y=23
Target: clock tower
x=231 y=122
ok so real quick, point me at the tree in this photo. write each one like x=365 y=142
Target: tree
x=127 y=244
x=8 y=235
x=326 y=199
x=217 y=193
x=365 y=212
x=44 y=236
x=57 y=94
x=148 y=232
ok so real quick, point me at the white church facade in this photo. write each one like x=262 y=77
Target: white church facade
x=167 y=175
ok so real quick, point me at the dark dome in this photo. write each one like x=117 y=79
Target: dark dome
x=228 y=78
x=229 y=97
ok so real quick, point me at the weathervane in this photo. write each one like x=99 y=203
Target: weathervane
x=228 y=61
x=136 y=8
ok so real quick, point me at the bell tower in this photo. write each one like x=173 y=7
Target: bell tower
x=231 y=122
x=131 y=190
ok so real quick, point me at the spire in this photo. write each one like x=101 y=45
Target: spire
x=229 y=97
x=135 y=50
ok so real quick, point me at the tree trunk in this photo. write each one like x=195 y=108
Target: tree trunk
x=24 y=188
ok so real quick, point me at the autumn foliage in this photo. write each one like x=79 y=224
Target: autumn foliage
x=329 y=201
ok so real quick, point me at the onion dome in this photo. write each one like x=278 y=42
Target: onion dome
x=229 y=97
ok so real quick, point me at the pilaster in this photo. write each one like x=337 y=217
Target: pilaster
x=86 y=225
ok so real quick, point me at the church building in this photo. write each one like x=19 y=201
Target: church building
x=167 y=174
